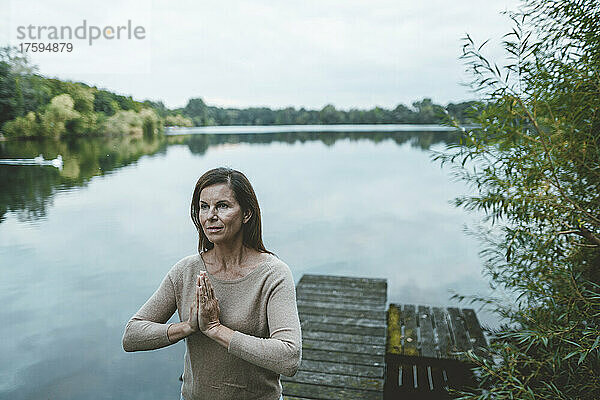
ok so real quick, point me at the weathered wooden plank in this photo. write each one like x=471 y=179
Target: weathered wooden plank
x=394 y=330
x=368 y=303
x=362 y=288
x=409 y=344
x=343 y=357
x=341 y=291
x=339 y=294
x=294 y=398
x=475 y=331
x=366 y=371
x=302 y=293
x=459 y=330
x=345 y=381
x=354 y=286
x=340 y=306
x=342 y=346
x=329 y=319
x=373 y=296
x=426 y=339
x=343 y=337
x=349 y=280
x=337 y=328
x=328 y=392
x=376 y=315
x=342 y=278
x=443 y=333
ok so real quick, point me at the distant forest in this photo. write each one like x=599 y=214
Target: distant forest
x=32 y=105
x=421 y=112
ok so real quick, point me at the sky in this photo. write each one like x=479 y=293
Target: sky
x=349 y=53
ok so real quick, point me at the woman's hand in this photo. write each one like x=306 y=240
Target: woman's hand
x=192 y=320
x=180 y=330
x=208 y=311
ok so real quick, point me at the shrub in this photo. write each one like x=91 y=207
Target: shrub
x=537 y=177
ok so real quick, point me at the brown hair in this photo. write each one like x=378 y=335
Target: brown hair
x=244 y=195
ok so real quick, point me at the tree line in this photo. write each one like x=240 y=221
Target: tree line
x=32 y=105
x=422 y=112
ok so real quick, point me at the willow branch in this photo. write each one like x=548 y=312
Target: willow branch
x=552 y=167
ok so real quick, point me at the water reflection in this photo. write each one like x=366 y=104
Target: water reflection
x=27 y=190
x=199 y=144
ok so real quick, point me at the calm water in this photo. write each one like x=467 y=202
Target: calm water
x=81 y=249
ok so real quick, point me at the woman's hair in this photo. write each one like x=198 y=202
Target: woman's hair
x=245 y=196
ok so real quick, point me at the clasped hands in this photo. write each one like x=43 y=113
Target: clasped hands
x=204 y=311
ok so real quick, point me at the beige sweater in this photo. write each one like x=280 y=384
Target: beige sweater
x=260 y=308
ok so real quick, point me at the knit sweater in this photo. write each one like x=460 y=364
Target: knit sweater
x=261 y=309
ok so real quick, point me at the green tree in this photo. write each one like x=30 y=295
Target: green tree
x=329 y=115
x=403 y=114
x=197 y=111
x=428 y=112
x=158 y=106
x=7 y=90
x=151 y=122
x=177 y=120
x=285 y=116
x=27 y=126
x=104 y=102
x=57 y=114
x=462 y=111
x=145 y=123
x=17 y=92
x=535 y=165
x=83 y=97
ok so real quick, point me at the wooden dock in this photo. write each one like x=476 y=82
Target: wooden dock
x=343 y=339
x=352 y=348
x=424 y=345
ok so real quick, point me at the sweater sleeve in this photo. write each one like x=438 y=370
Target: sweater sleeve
x=282 y=351
x=147 y=329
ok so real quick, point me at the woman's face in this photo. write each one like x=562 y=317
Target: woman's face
x=220 y=214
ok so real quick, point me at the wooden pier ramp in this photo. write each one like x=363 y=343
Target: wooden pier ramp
x=344 y=339
x=424 y=348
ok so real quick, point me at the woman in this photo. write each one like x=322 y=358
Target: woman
x=236 y=301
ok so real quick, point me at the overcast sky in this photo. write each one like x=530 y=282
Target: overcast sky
x=282 y=53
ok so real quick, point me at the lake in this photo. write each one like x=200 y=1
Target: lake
x=82 y=248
